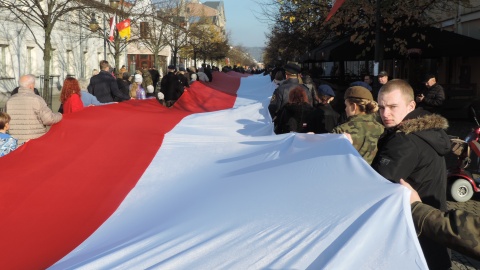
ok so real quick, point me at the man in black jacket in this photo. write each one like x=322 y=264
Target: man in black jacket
x=171 y=86
x=413 y=148
x=104 y=86
x=433 y=97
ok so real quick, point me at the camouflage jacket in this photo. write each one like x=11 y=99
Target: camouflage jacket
x=147 y=78
x=455 y=229
x=365 y=131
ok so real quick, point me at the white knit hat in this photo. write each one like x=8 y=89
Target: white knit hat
x=150 y=89
x=138 y=78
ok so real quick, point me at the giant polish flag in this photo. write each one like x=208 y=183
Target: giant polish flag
x=205 y=184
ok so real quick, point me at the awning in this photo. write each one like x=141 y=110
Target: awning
x=428 y=42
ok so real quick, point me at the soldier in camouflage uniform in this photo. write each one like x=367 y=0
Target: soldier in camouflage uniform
x=147 y=77
x=361 y=124
x=455 y=229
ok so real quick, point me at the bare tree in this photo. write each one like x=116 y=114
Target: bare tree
x=176 y=34
x=35 y=14
x=133 y=10
x=152 y=29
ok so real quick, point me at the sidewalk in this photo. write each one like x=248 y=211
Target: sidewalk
x=459 y=261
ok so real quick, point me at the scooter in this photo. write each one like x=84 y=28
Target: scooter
x=462 y=183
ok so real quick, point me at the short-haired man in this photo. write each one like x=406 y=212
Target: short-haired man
x=413 y=147
x=433 y=97
x=104 y=86
x=29 y=112
x=382 y=78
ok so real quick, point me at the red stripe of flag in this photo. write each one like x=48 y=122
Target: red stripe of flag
x=334 y=9
x=55 y=191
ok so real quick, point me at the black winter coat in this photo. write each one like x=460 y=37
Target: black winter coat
x=292 y=118
x=434 y=98
x=171 y=87
x=123 y=86
x=105 y=88
x=414 y=151
x=322 y=119
x=184 y=79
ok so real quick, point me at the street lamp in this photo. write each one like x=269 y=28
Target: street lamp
x=93 y=25
x=114 y=3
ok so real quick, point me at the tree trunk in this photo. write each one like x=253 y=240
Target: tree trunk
x=175 y=57
x=195 y=58
x=47 y=57
x=116 y=45
x=156 y=60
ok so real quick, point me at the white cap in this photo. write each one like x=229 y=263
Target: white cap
x=138 y=78
x=150 y=89
x=160 y=95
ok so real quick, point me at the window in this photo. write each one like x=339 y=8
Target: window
x=53 y=60
x=29 y=65
x=69 y=63
x=3 y=60
x=84 y=66
x=99 y=58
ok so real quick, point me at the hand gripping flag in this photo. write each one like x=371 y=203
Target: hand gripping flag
x=112 y=28
x=123 y=28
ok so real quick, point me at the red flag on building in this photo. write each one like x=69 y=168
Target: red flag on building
x=334 y=9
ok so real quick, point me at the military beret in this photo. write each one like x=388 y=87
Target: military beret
x=358 y=92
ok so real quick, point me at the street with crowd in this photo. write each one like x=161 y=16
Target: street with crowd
x=400 y=133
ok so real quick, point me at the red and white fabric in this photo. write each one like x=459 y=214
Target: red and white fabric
x=202 y=185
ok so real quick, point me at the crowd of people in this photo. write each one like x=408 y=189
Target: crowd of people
x=400 y=135
x=27 y=115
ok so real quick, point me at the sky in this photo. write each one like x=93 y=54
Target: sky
x=242 y=25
